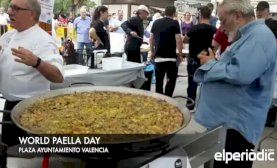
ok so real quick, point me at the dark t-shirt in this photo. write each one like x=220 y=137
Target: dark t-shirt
x=102 y=33
x=200 y=38
x=164 y=31
x=272 y=24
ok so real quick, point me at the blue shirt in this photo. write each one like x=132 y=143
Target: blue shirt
x=237 y=90
x=82 y=26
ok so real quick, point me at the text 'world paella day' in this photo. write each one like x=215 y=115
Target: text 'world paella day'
x=59 y=140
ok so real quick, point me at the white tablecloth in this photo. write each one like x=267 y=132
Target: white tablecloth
x=130 y=73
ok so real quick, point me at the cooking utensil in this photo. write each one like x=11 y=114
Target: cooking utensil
x=126 y=148
x=20 y=107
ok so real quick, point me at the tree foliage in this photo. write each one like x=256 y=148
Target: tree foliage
x=65 y=6
x=5 y=3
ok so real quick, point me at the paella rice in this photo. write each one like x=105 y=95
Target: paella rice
x=101 y=113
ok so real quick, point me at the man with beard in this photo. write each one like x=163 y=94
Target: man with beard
x=135 y=30
x=236 y=91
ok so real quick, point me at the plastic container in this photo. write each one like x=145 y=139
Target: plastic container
x=112 y=63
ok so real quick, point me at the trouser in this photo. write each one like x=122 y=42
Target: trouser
x=10 y=132
x=192 y=86
x=80 y=49
x=271 y=117
x=169 y=68
x=3 y=29
x=3 y=155
x=133 y=55
x=147 y=84
x=144 y=56
x=235 y=142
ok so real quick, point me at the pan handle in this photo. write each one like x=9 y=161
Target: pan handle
x=190 y=101
x=5 y=111
x=81 y=83
x=5 y=122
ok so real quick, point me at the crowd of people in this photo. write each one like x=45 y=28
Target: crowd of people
x=234 y=65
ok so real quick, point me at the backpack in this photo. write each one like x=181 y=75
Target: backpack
x=69 y=52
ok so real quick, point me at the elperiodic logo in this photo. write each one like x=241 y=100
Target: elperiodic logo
x=264 y=155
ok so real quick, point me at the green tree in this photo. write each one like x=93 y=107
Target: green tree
x=67 y=6
x=5 y=3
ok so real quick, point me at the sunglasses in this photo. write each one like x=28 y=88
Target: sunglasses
x=15 y=8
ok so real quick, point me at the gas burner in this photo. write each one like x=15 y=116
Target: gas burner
x=149 y=148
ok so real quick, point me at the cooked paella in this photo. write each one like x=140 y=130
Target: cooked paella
x=101 y=113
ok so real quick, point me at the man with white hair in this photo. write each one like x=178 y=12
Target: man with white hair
x=82 y=26
x=29 y=62
x=135 y=30
x=237 y=89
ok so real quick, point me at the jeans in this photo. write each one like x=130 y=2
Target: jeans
x=3 y=29
x=80 y=49
x=147 y=84
x=192 y=86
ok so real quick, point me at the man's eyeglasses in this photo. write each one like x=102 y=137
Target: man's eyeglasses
x=15 y=8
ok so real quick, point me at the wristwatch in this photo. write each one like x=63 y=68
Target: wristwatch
x=38 y=63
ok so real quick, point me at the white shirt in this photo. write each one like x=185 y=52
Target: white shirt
x=19 y=81
x=54 y=24
x=117 y=23
x=4 y=19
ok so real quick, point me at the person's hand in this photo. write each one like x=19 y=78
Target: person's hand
x=152 y=55
x=180 y=58
x=204 y=57
x=24 y=56
x=134 y=34
x=96 y=43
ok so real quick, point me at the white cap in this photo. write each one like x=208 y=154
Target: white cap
x=143 y=8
